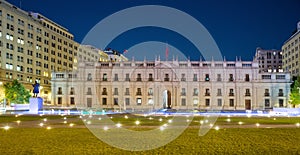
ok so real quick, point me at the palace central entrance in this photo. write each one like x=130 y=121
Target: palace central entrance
x=166 y=99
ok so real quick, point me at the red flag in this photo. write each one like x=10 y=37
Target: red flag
x=167 y=52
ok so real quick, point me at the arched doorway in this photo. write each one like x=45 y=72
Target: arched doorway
x=167 y=99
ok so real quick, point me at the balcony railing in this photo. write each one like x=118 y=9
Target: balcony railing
x=138 y=93
x=280 y=94
x=150 y=79
x=138 y=79
x=231 y=94
x=207 y=94
x=167 y=79
x=104 y=93
x=247 y=94
x=267 y=94
x=230 y=79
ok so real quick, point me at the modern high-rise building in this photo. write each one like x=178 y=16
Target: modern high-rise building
x=32 y=46
x=132 y=85
x=269 y=60
x=291 y=53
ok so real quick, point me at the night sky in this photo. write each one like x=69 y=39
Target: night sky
x=238 y=27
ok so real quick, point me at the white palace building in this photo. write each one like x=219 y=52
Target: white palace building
x=213 y=85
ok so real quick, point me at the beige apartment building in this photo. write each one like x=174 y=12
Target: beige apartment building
x=269 y=60
x=32 y=46
x=229 y=85
x=291 y=53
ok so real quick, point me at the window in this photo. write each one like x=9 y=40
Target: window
x=207 y=92
x=183 y=102
x=219 y=102
x=207 y=102
x=139 y=91
x=150 y=91
x=127 y=91
x=72 y=92
x=219 y=77
x=104 y=92
x=280 y=92
x=104 y=101
x=139 y=77
x=116 y=91
x=267 y=92
x=231 y=102
x=266 y=76
x=166 y=77
x=150 y=77
x=139 y=101
x=89 y=91
x=231 y=77
x=195 y=77
x=59 y=100
x=247 y=92
x=206 y=77
x=59 y=92
x=72 y=100
x=219 y=92
x=195 y=101
x=267 y=102
x=280 y=101
x=127 y=77
x=195 y=93
x=183 y=93
x=183 y=77
x=231 y=93
x=116 y=102
x=280 y=76
x=247 y=78
x=116 y=78
x=104 y=78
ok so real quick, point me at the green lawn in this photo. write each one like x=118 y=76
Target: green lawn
x=72 y=140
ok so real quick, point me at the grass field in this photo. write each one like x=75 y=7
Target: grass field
x=230 y=139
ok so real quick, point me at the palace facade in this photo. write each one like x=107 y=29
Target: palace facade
x=236 y=85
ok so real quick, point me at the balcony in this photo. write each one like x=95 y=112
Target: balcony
x=72 y=93
x=150 y=94
x=104 y=79
x=195 y=94
x=267 y=94
x=247 y=79
x=183 y=93
x=195 y=79
x=280 y=94
x=247 y=94
x=104 y=93
x=150 y=79
x=138 y=79
x=59 y=93
x=207 y=94
x=166 y=79
x=89 y=93
x=183 y=79
x=231 y=94
x=138 y=93
x=230 y=79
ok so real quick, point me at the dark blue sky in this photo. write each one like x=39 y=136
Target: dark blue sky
x=238 y=27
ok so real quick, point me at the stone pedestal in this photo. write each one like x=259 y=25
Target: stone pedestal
x=35 y=104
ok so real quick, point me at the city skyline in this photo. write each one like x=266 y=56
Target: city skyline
x=238 y=28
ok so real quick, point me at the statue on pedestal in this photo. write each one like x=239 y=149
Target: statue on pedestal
x=36 y=89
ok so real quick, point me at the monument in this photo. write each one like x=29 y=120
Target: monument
x=35 y=102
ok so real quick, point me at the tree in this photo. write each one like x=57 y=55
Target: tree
x=295 y=92
x=15 y=92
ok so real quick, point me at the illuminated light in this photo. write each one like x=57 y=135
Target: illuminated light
x=161 y=128
x=126 y=117
x=206 y=121
x=111 y=117
x=228 y=120
x=41 y=115
x=71 y=124
x=6 y=127
x=187 y=120
x=49 y=127
x=118 y=125
x=45 y=119
x=297 y=124
x=88 y=122
x=228 y=115
x=165 y=125
x=137 y=122
x=187 y=116
x=257 y=124
x=211 y=125
x=65 y=118
x=269 y=115
x=274 y=119
x=248 y=115
x=240 y=123
x=105 y=128
x=65 y=122
x=99 y=118
x=166 y=115
x=217 y=128
x=18 y=121
x=170 y=121
x=201 y=122
x=84 y=120
x=150 y=118
x=16 y=115
x=160 y=119
x=80 y=116
x=145 y=115
x=90 y=116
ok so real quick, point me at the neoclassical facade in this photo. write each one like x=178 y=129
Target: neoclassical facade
x=213 y=85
